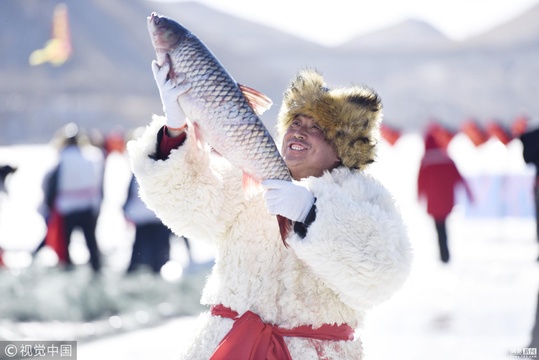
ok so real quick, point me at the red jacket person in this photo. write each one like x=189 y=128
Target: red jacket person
x=436 y=183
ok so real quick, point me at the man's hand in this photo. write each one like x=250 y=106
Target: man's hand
x=170 y=90
x=287 y=199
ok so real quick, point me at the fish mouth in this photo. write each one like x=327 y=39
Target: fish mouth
x=163 y=34
x=151 y=27
x=152 y=21
x=154 y=18
x=156 y=25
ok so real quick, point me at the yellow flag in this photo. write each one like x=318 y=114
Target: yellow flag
x=58 y=49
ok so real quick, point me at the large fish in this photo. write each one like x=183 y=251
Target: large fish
x=223 y=112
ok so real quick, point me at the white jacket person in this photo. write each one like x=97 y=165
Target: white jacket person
x=348 y=249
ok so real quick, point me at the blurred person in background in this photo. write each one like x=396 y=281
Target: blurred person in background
x=151 y=247
x=114 y=141
x=73 y=192
x=437 y=181
x=530 y=153
x=5 y=172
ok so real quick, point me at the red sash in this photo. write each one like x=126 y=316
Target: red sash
x=251 y=339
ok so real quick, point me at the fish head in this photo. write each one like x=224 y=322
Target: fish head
x=166 y=35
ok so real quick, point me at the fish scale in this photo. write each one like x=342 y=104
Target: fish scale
x=216 y=103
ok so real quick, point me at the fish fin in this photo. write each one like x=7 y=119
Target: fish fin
x=250 y=185
x=284 y=227
x=258 y=101
x=215 y=152
x=171 y=73
x=198 y=136
x=199 y=139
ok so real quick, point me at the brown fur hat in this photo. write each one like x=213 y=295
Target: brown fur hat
x=350 y=117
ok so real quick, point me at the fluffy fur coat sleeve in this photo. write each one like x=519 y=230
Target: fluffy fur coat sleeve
x=185 y=184
x=358 y=243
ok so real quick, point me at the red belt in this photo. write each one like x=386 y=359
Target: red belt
x=252 y=339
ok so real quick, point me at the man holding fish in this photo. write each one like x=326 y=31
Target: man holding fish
x=293 y=289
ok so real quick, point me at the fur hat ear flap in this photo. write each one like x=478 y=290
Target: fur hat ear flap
x=349 y=116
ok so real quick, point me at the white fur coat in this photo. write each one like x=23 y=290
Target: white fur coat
x=355 y=254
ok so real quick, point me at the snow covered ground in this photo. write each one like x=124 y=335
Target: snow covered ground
x=480 y=306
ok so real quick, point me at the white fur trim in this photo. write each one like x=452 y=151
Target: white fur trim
x=358 y=243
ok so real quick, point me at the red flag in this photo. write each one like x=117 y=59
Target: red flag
x=519 y=126
x=115 y=141
x=496 y=130
x=390 y=134
x=474 y=132
x=442 y=135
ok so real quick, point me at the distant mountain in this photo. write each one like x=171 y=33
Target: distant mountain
x=520 y=31
x=418 y=72
x=409 y=35
x=108 y=82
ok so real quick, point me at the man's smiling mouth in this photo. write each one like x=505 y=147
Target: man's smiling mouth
x=297 y=146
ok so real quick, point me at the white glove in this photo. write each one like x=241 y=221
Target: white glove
x=169 y=90
x=287 y=199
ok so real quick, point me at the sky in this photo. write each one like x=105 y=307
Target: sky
x=331 y=22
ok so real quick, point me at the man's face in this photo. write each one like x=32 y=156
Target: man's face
x=306 y=151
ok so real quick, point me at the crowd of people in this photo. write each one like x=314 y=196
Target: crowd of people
x=77 y=195
x=73 y=192
x=74 y=202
